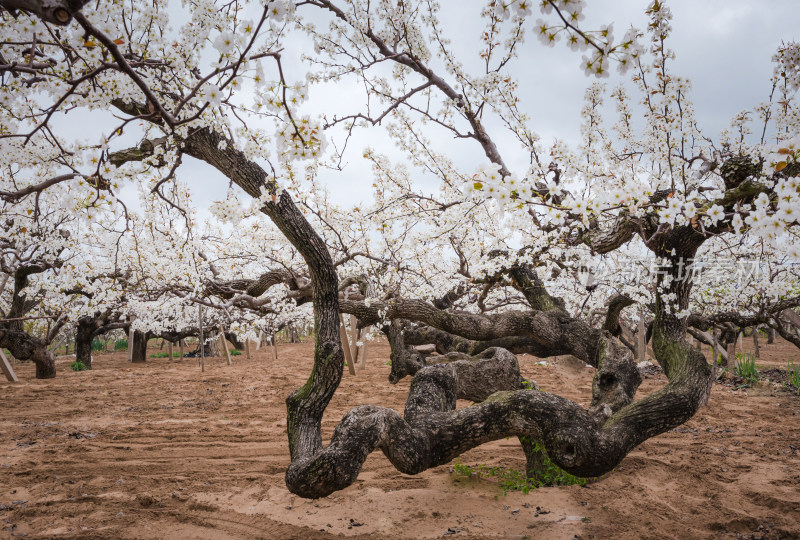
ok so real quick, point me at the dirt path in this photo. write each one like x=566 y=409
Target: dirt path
x=161 y=450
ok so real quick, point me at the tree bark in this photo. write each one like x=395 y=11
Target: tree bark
x=84 y=334
x=554 y=332
x=90 y=327
x=139 y=346
x=26 y=347
x=54 y=11
x=771 y=333
x=446 y=342
x=405 y=360
x=83 y=348
x=44 y=361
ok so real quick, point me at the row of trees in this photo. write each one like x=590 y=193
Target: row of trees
x=647 y=217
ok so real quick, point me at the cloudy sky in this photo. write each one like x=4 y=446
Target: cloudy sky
x=724 y=46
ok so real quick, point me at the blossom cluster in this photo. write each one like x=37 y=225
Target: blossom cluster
x=301 y=139
x=229 y=210
x=787 y=64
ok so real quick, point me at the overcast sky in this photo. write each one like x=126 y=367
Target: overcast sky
x=724 y=46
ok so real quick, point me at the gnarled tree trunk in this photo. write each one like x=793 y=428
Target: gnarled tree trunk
x=26 y=347
x=139 y=346
x=84 y=334
x=234 y=339
x=12 y=335
x=583 y=442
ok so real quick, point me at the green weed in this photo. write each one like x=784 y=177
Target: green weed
x=551 y=474
x=746 y=368
x=236 y=352
x=97 y=345
x=77 y=365
x=514 y=480
x=162 y=354
x=121 y=345
x=793 y=372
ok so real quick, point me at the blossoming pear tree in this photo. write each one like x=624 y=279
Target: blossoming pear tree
x=489 y=264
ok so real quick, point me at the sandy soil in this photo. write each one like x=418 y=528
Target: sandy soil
x=161 y=450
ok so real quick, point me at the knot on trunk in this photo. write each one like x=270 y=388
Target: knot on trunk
x=433 y=389
x=405 y=360
x=615 y=381
x=491 y=371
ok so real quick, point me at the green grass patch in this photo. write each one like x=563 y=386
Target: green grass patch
x=514 y=480
x=236 y=352
x=746 y=368
x=162 y=354
x=77 y=365
x=121 y=345
x=793 y=373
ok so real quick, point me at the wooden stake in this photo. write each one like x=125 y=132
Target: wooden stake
x=354 y=339
x=755 y=342
x=258 y=343
x=225 y=345
x=628 y=334
x=345 y=346
x=130 y=345
x=363 y=352
x=247 y=348
x=201 y=342
x=57 y=344
x=732 y=354
x=714 y=353
x=274 y=347
x=8 y=371
x=642 y=342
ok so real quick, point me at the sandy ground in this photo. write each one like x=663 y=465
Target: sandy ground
x=161 y=450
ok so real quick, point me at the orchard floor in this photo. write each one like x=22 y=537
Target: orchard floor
x=161 y=450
